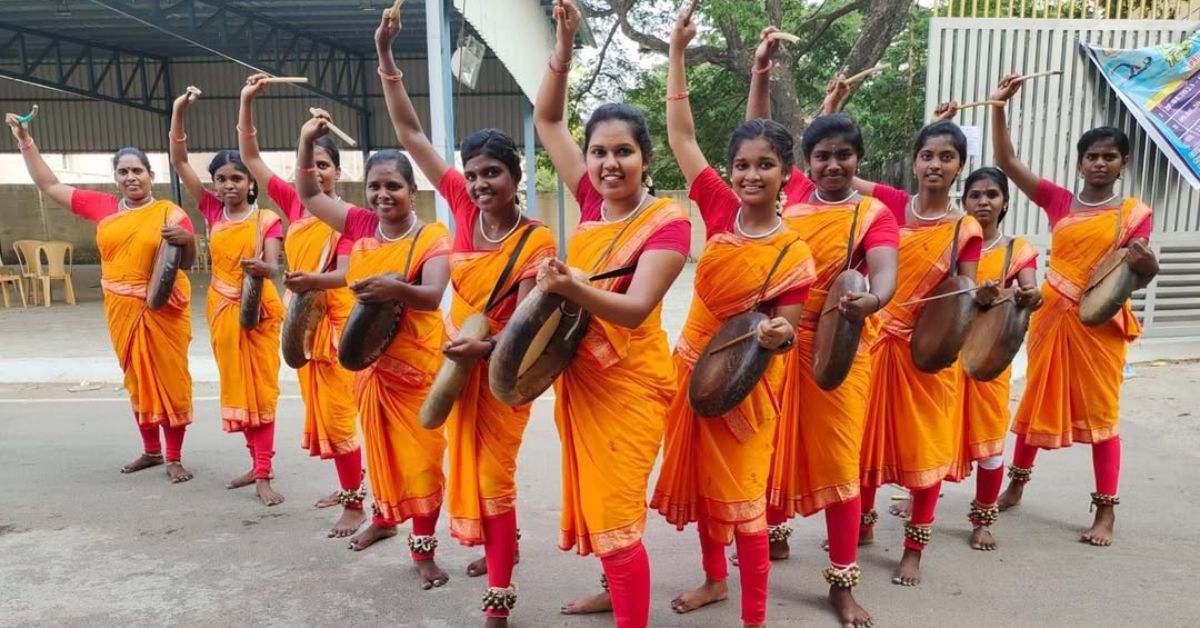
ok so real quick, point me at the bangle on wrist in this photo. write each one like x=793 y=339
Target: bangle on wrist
x=300 y=168
x=26 y=145
x=557 y=70
x=252 y=132
x=765 y=69
x=680 y=96
x=395 y=78
x=178 y=140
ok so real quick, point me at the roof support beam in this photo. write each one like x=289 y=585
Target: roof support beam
x=253 y=40
x=117 y=75
x=441 y=107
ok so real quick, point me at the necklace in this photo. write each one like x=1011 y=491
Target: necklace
x=225 y=213
x=123 y=204
x=516 y=223
x=912 y=206
x=737 y=225
x=604 y=207
x=817 y=193
x=1106 y=201
x=991 y=245
x=383 y=236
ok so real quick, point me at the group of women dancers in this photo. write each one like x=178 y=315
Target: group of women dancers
x=778 y=233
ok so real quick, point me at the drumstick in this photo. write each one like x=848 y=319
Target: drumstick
x=333 y=127
x=1040 y=74
x=862 y=76
x=788 y=37
x=692 y=9
x=27 y=118
x=394 y=12
x=732 y=341
x=941 y=296
x=981 y=103
x=284 y=79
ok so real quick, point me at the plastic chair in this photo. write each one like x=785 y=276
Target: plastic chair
x=30 y=261
x=9 y=275
x=60 y=261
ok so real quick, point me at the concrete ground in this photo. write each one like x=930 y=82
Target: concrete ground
x=82 y=545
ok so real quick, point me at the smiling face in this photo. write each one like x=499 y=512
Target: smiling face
x=985 y=201
x=490 y=184
x=1102 y=163
x=757 y=173
x=615 y=162
x=937 y=163
x=231 y=185
x=833 y=164
x=327 y=173
x=389 y=194
x=133 y=178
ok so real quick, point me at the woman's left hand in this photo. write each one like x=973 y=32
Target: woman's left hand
x=1028 y=297
x=176 y=235
x=857 y=306
x=554 y=277
x=773 y=334
x=465 y=349
x=1141 y=259
x=256 y=267
x=379 y=289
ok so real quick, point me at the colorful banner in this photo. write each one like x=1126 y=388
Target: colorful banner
x=1161 y=87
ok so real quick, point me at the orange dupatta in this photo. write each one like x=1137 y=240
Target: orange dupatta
x=151 y=345
x=715 y=470
x=912 y=431
x=485 y=434
x=404 y=460
x=612 y=400
x=1075 y=371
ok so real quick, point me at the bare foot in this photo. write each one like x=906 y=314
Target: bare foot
x=349 y=523
x=431 y=575
x=1101 y=532
x=901 y=508
x=268 y=495
x=908 y=573
x=144 y=461
x=849 y=613
x=368 y=537
x=588 y=604
x=177 y=473
x=333 y=499
x=478 y=567
x=245 y=479
x=982 y=539
x=1011 y=496
x=709 y=592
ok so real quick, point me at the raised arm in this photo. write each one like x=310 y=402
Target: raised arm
x=1002 y=148
x=758 y=102
x=681 y=128
x=332 y=211
x=400 y=107
x=42 y=175
x=248 y=134
x=549 y=115
x=179 y=154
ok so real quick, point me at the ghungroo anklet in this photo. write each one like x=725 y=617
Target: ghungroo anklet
x=353 y=498
x=1101 y=499
x=983 y=516
x=779 y=533
x=920 y=534
x=422 y=543
x=1019 y=475
x=869 y=518
x=847 y=578
x=604 y=582
x=500 y=598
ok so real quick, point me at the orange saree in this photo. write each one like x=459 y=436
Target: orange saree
x=151 y=345
x=485 y=434
x=715 y=470
x=912 y=431
x=819 y=437
x=404 y=460
x=612 y=400
x=985 y=404
x=247 y=361
x=326 y=387
x=1075 y=371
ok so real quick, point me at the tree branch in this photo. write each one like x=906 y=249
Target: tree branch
x=695 y=55
x=775 y=12
x=587 y=88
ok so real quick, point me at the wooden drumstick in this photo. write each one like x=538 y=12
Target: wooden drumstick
x=942 y=296
x=333 y=129
x=862 y=76
x=780 y=35
x=1040 y=74
x=981 y=103
x=27 y=118
x=284 y=79
x=692 y=9
x=394 y=12
x=732 y=341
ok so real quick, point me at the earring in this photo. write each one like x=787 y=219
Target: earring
x=649 y=182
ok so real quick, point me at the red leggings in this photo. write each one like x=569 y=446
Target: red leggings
x=987 y=485
x=841 y=527
x=924 y=503
x=173 y=436
x=261 y=443
x=1106 y=462
x=628 y=573
x=754 y=566
x=349 y=470
x=499 y=547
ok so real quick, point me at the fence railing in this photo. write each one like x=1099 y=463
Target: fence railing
x=1070 y=10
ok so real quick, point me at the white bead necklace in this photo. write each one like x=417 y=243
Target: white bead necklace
x=641 y=201
x=225 y=214
x=383 y=236
x=516 y=223
x=991 y=245
x=912 y=205
x=123 y=204
x=817 y=194
x=737 y=225
x=1102 y=203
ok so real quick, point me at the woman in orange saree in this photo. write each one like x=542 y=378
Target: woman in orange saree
x=151 y=345
x=496 y=254
x=818 y=441
x=611 y=402
x=241 y=238
x=1006 y=261
x=396 y=259
x=317 y=258
x=1075 y=371
x=913 y=429
x=714 y=469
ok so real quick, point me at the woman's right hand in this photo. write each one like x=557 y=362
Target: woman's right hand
x=1007 y=88
x=685 y=29
x=18 y=130
x=945 y=111
x=255 y=86
x=568 y=17
x=389 y=28
x=766 y=47
x=317 y=126
x=185 y=100
x=299 y=282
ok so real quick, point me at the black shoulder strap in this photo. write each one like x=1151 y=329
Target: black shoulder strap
x=496 y=297
x=411 y=250
x=954 y=247
x=767 y=282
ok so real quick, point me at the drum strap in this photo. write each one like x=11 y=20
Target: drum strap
x=854 y=232
x=771 y=273
x=612 y=245
x=1008 y=253
x=411 y=251
x=496 y=298
x=954 y=247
